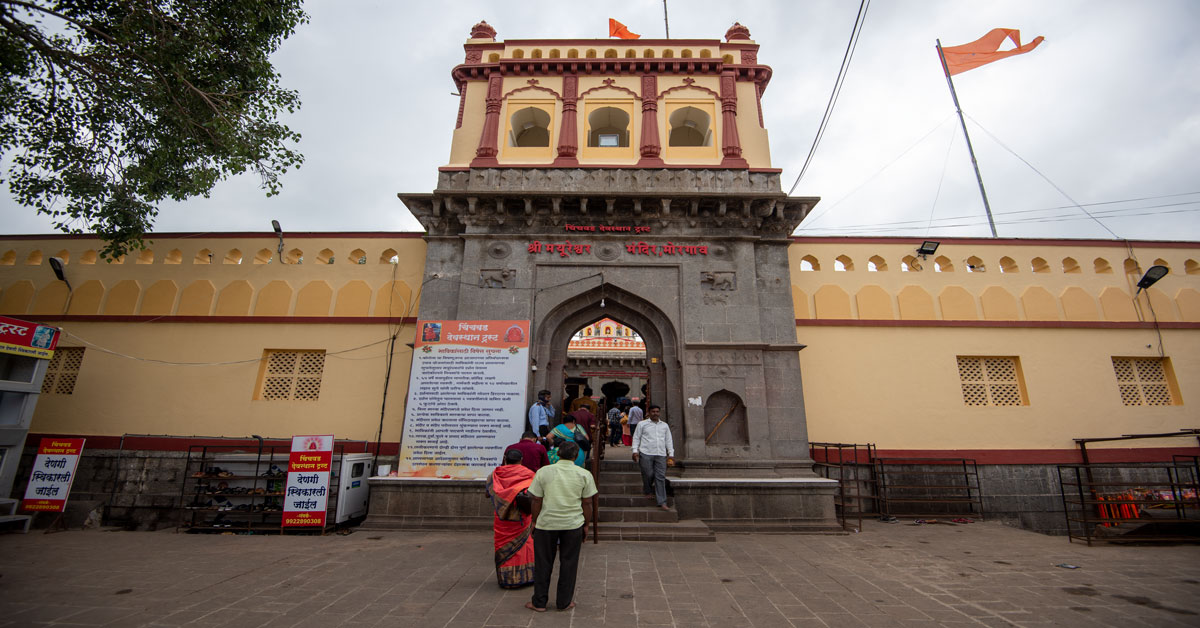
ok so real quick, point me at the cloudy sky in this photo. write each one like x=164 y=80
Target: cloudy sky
x=1107 y=109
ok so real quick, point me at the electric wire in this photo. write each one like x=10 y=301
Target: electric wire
x=941 y=179
x=851 y=46
x=821 y=212
x=1040 y=174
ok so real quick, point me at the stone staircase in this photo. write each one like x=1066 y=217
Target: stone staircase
x=626 y=515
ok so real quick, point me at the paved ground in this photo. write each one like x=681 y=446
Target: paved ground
x=890 y=575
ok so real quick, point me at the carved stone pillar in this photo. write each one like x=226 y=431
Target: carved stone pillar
x=731 y=145
x=568 y=134
x=651 y=146
x=485 y=155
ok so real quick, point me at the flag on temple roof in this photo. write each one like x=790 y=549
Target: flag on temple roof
x=617 y=29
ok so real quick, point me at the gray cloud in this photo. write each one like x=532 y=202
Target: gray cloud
x=1105 y=108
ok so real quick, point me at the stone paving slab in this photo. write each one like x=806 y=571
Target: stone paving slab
x=890 y=575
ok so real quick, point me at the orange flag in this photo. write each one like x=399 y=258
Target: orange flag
x=617 y=29
x=985 y=50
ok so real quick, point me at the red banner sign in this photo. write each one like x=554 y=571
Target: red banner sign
x=23 y=338
x=52 y=475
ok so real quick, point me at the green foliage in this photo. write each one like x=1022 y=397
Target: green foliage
x=111 y=106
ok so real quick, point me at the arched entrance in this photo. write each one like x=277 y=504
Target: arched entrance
x=552 y=334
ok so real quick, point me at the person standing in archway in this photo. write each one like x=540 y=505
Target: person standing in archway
x=541 y=412
x=652 y=446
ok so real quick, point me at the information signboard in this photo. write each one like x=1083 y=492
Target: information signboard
x=23 y=338
x=52 y=475
x=306 y=496
x=466 y=397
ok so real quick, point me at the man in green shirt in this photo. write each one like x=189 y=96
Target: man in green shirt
x=559 y=491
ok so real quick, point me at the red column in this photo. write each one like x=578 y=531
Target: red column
x=485 y=155
x=568 y=134
x=651 y=147
x=731 y=145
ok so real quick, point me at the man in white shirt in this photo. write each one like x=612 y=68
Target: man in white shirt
x=652 y=446
x=635 y=416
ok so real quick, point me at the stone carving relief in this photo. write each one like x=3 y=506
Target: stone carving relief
x=724 y=357
x=722 y=281
x=499 y=250
x=688 y=181
x=716 y=298
x=496 y=277
x=608 y=251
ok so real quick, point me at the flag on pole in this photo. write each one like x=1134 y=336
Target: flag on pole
x=617 y=29
x=985 y=50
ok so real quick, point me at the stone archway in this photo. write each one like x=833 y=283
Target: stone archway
x=551 y=336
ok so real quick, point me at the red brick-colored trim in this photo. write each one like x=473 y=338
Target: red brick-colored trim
x=181 y=443
x=615 y=167
x=1163 y=244
x=228 y=235
x=854 y=322
x=1027 y=456
x=615 y=43
x=273 y=320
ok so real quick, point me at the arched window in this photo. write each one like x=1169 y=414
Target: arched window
x=910 y=264
x=608 y=127
x=530 y=127
x=686 y=53
x=1101 y=266
x=975 y=265
x=727 y=58
x=611 y=53
x=64 y=255
x=648 y=53
x=843 y=263
x=631 y=54
x=555 y=53
x=876 y=264
x=591 y=53
x=518 y=54
x=34 y=258
x=942 y=264
x=358 y=256
x=809 y=262
x=1039 y=265
x=175 y=256
x=9 y=258
x=668 y=54
x=689 y=127
x=1190 y=267
x=494 y=57
x=234 y=256
x=325 y=257
x=572 y=54
x=1131 y=267
x=536 y=54
x=203 y=256
x=263 y=256
x=145 y=257
x=1008 y=265
x=1070 y=265
x=294 y=256
x=706 y=54
x=388 y=256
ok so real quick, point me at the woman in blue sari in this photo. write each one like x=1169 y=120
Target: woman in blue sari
x=568 y=430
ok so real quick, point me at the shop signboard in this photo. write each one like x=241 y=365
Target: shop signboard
x=306 y=496
x=466 y=397
x=52 y=475
x=19 y=337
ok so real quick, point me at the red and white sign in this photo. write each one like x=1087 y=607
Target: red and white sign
x=306 y=496
x=52 y=475
x=23 y=338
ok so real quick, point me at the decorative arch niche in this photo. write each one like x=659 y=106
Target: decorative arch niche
x=725 y=420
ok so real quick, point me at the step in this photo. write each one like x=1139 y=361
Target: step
x=692 y=530
x=626 y=500
x=639 y=514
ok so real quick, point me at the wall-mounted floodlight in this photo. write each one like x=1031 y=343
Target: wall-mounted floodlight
x=1153 y=274
x=279 y=234
x=56 y=264
x=928 y=247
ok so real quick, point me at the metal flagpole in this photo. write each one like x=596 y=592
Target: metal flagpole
x=666 y=24
x=986 y=207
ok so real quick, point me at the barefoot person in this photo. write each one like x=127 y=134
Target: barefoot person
x=512 y=525
x=559 y=492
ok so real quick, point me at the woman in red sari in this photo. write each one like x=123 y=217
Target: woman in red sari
x=512 y=526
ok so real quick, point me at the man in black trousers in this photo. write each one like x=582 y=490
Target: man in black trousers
x=559 y=491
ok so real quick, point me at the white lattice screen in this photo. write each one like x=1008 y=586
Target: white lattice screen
x=292 y=375
x=63 y=371
x=1143 y=381
x=990 y=381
